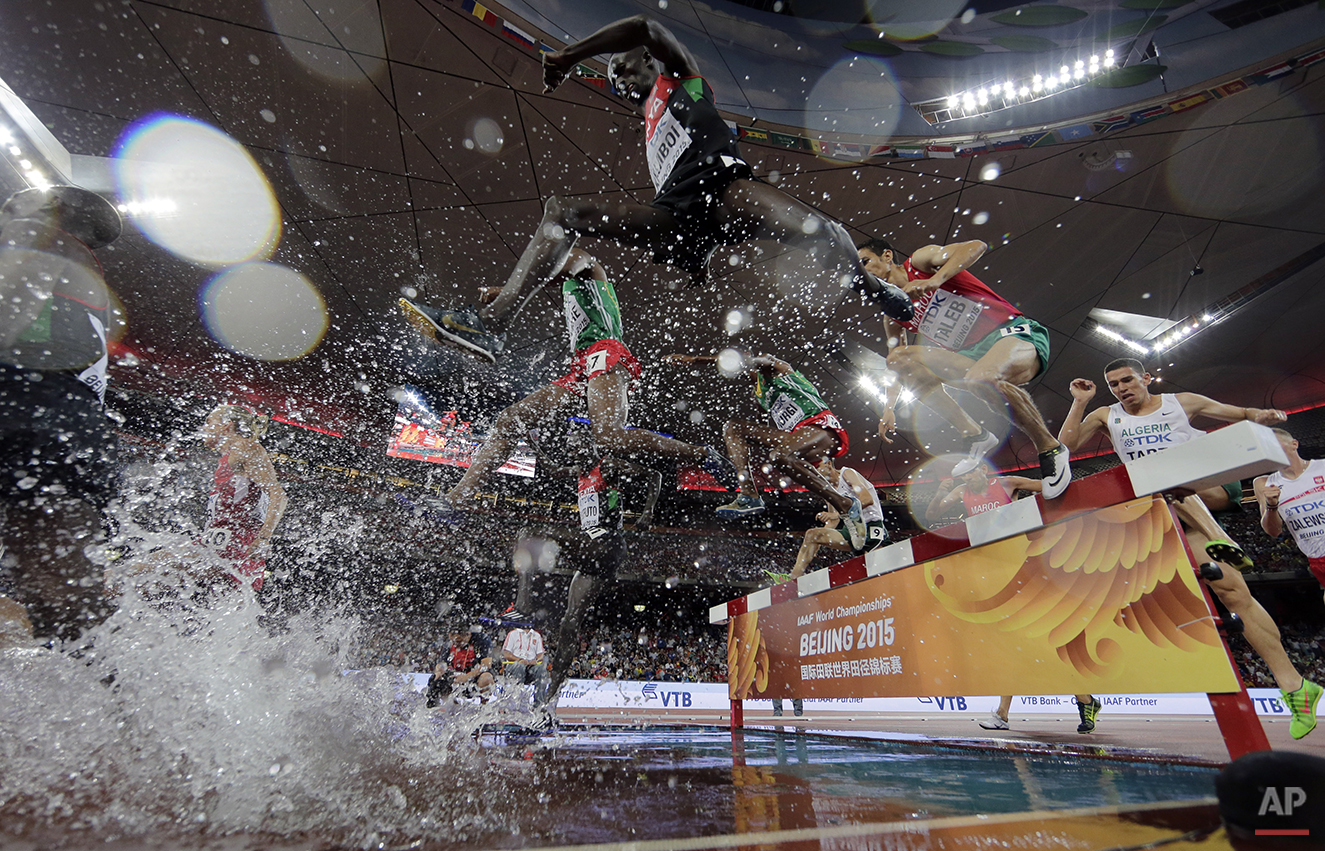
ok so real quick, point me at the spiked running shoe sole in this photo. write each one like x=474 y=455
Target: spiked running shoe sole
x=742 y=506
x=1228 y=553
x=418 y=319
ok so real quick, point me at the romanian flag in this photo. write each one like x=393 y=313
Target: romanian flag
x=483 y=13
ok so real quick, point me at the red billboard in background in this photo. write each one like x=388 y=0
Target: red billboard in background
x=423 y=435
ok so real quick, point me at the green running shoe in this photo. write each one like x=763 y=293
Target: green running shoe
x=1088 y=712
x=1302 y=703
x=777 y=578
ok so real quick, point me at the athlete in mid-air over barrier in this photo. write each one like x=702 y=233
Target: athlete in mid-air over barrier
x=601 y=375
x=806 y=433
x=968 y=336
x=706 y=193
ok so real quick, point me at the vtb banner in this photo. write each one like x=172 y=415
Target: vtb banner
x=1101 y=602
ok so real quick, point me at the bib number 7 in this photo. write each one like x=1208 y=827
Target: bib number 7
x=595 y=363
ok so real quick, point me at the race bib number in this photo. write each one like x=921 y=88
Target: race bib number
x=1019 y=328
x=876 y=533
x=590 y=494
x=948 y=319
x=217 y=538
x=95 y=375
x=665 y=146
x=786 y=413
x=576 y=319
x=595 y=364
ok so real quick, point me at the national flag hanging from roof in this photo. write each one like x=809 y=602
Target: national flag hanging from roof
x=518 y=35
x=1190 y=101
x=1274 y=72
x=1108 y=125
x=483 y=13
x=1232 y=87
x=1076 y=131
x=1310 y=59
x=754 y=134
x=942 y=152
x=1144 y=115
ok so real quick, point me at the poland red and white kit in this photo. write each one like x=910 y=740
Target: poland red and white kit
x=1302 y=508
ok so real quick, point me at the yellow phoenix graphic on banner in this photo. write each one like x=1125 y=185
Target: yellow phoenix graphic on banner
x=1103 y=601
x=1080 y=583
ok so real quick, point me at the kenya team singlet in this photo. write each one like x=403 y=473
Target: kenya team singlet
x=994 y=496
x=790 y=399
x=1136 y=437
x=958 y=314
x=592 y=312
x=1302 y=507
x=684 y=134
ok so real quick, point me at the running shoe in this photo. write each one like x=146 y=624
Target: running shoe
x=461 y=328
x=1055 y=471
x=855 y=525
x=514 y=617
x=741 y=506
x=890 y=298
x=1302 y=703
x=994 y=722
x=1229 y=553
x=777 y=709
x=719 y=467
x=982 y=444
x=441 y=510
x=1088 y=712
x=777 y=578
x=797 y=706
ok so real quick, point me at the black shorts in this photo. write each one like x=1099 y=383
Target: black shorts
x=55 y=441
x=600 y=557
x=693 y=202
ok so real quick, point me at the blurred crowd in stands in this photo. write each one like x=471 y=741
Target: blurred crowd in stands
x=1304 y=643
x=697 y=655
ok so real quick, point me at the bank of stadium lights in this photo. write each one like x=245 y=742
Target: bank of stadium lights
x=1174 y=336
x=154 y=207
x=889 y=379
x=992 y=97
x=31 y=172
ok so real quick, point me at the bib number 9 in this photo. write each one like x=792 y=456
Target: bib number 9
x=1019 y=328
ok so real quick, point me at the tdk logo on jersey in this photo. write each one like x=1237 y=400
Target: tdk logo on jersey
x=668 y=698
x=1282 y=804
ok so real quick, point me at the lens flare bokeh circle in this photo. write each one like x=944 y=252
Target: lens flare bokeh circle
x=196 y=192
x=264 y=311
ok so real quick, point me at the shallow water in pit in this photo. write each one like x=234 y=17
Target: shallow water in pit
x=195 y=728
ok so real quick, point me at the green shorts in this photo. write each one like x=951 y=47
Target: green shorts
x=876 y=535
x=1234 y=491
x=1020 y=327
